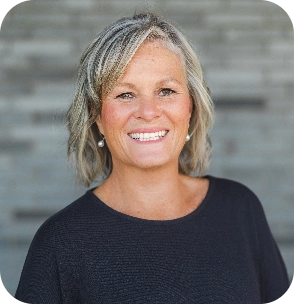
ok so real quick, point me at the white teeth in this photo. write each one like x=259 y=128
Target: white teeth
x=148 y=136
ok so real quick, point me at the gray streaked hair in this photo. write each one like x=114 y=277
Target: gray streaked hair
x=102 y=64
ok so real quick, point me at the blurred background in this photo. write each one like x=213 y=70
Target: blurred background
x=246 y=48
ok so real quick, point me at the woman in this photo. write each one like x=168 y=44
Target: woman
x=150 y=233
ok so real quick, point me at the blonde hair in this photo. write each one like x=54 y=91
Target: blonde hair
x=102 y=64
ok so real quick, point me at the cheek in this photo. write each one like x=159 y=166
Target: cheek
x=108 y=115
x=183 y=110
x=113 y=117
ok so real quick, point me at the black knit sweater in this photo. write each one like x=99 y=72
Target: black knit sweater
x=223 y=252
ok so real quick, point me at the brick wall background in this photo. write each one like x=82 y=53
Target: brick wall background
x=247 y=51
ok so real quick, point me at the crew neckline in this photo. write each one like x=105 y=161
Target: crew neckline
x=121 y=215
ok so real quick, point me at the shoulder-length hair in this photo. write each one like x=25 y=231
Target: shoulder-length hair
x=102 y=64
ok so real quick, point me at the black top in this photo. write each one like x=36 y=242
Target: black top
x=223 y=252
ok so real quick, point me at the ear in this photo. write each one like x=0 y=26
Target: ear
x=191 y=105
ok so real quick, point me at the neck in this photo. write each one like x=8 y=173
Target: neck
x=144 y=193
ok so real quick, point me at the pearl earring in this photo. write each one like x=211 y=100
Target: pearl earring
x=188 y=136
x=101 y=142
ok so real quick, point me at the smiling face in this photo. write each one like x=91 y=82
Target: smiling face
x=145 y=117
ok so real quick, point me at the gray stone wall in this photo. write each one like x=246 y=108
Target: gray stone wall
x=247 y=51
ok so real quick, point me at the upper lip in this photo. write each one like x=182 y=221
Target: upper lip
x=148 y=130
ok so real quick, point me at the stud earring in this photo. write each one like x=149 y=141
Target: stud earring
x=101 y=142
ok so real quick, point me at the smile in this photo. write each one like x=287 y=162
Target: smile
x=148 y=136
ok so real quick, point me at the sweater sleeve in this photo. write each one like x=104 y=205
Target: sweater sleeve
x=275 y=280
x=39 y=282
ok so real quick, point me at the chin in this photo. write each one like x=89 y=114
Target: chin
x=152 y=163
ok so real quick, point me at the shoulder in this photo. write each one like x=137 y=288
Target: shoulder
x=55 y=253
x=235 y=196
x=240 y=204
x=72 y=211
x=70 y=220
x=227 y=188
x=237 y=206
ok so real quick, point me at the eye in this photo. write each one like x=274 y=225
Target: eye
x=166 y=92
x=127 y=95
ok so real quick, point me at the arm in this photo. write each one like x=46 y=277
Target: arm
x=39 y=282
x=275 y=280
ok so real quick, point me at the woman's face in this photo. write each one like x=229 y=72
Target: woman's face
x=145 y=117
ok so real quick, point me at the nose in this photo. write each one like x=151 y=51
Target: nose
x=148 y=109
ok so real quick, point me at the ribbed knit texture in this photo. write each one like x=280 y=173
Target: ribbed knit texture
x=223 y=252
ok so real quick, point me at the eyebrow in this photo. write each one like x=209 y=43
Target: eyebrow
x=163 y=81
x=170 y=79
x=125 y=84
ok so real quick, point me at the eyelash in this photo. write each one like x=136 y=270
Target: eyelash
x=167 y=89
x=123 y=95
x=130 y=95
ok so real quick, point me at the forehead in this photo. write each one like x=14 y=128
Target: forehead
x=159 y=47
x=154 y=57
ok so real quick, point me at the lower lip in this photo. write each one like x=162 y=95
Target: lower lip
x=147 y=142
